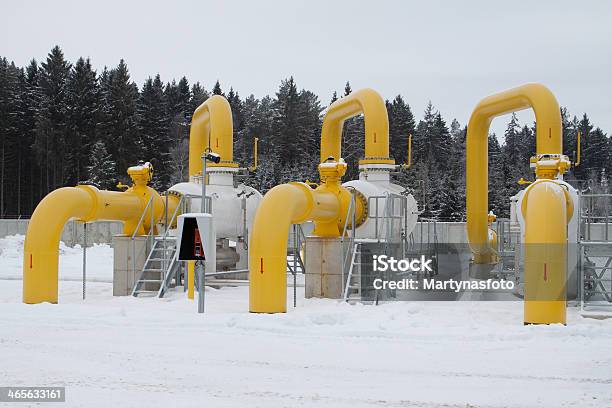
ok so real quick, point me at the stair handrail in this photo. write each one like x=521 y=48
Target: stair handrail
x=133 y=237
x=351 y=240
x=168 y=224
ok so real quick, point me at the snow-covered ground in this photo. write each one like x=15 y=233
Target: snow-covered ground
x=126 y=352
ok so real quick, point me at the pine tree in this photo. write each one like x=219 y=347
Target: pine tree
x=512 y=142
x=102 y=167
x=401 y=126
x=240 y=145
x=334 y=98
x=423 y=141
x=498 y=199
x=217 y=89
x=309 y=122
x=353 y=141
x=83 y=104
x=119 y=125
x=10 y=116
x=31 y=100
x=198 y=96
x=153 y=128
x=285 y=131
x=347 y=89
x=512 y=157
x=51 y=128
x=594 y=160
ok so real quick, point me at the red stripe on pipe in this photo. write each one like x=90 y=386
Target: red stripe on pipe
x=261 y=265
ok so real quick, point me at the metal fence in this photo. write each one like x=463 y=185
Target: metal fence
x=100 y=232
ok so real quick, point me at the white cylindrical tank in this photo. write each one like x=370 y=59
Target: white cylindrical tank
x=227 y=201
x=375 y=181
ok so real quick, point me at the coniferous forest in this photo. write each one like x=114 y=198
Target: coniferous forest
x=63 y=123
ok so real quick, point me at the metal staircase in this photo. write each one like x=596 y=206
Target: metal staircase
x=352 y=287
x=295 y=263
x=159 y=268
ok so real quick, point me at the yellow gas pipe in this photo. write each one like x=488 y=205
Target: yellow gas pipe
x=371 y=104
x=545 y=210
x=211 y=128
x=82 y=203
x=327 y=205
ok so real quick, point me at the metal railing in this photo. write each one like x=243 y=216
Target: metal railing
x=166 y=263
x=394 y=218
x=595 y=250
x=148 y=208
x=348 y=242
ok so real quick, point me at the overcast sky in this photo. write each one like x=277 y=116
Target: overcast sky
x=453 y=53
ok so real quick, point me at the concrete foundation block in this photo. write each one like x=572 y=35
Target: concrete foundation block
x=323 y=261
x=124 y=273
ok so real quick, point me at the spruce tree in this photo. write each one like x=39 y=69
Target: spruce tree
x=334 y=98
x=240 y=145
x=217 y=89
x=401 y=126
x=101 y=169
x=153 y=122
x=51 y=126
x=285 y=131
x=83 y=109
x=119 y=125
x=31 y=99
x=198 y=96
x=10 y=117
x=353 y=141
x=347 y=89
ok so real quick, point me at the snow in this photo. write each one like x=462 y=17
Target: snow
x=123 y=351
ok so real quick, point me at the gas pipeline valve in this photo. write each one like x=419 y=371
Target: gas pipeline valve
x=549 y=166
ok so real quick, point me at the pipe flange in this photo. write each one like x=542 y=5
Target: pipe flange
x=376 y=160
x=174 y=193
x=364 y=202
x=372 y=167
x=222 y=169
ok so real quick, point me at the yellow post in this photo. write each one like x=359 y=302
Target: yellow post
x=190 y=279
x=409 y=151
x=545 y=209
x=255 y=144
x=578 y=151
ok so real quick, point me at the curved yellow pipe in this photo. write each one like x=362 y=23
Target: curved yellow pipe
x=211 y=127
x=83 y=203
x=548 y=141
x=372 y=105
x=281 y=207
x=546 y=209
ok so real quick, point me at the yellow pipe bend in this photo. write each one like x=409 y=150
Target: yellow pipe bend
x=372 y=105
x=546 y=208
x=211 y=126
x=548 y=140
x=83 y=203
x=281 y=207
